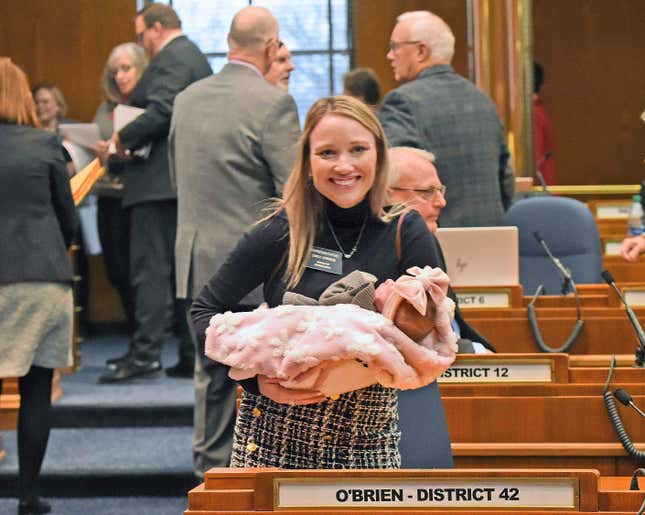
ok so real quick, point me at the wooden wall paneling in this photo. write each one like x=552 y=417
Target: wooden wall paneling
x=592 y=53
x=375 y=19
x=66 y=42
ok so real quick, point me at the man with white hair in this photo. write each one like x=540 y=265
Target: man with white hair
x=279 y=73
x=232 y=144
x=437 y=110
x=414 y=181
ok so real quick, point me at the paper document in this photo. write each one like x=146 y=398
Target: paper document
x=83 y=134
x=123 y=115
x=81 y=156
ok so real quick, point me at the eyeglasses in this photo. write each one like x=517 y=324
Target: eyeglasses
x=427 y=194
x=394 y=45
x=140 y=35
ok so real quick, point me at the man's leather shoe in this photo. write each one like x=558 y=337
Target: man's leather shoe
x=33 y=506
x=183 y=368
x=131 y=370
x=114 y=363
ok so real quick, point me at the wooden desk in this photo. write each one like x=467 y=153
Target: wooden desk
x=562 y=422
x=607 y=329
x=409 y=492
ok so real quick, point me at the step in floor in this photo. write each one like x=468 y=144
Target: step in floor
x=110 y=461
x=153 y=401
x=108 y=505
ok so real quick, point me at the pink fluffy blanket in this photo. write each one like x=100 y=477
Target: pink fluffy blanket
x=339 y=348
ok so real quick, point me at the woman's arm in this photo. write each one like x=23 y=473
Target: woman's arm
x=61 y=193
x=250 y=264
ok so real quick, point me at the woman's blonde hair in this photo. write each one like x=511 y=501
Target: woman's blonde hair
x=301 y=201
x=139 y=61
x=16 y=103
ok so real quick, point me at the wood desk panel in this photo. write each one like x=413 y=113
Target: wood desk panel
x=606 y=330
x=252 y=491
x=623 y=271
x=537 y=420
x=608 y=459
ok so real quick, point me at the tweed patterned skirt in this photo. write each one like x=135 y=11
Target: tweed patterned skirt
x=35 y=326
x=356 y=431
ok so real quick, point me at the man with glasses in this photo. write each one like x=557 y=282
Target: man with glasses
x=437 y=110
x=175 y=62
x=413 y=180
x=232 y=144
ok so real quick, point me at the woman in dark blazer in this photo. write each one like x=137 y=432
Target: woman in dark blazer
x=37 y=221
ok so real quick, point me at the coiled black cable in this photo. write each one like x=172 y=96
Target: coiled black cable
x=616 y=421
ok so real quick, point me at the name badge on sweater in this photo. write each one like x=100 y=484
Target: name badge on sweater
x=325 y=260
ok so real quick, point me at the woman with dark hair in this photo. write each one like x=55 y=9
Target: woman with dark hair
x=37 y=221
x=334 y=204
x=121 y=72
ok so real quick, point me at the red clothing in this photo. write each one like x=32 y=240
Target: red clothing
x=543 y=141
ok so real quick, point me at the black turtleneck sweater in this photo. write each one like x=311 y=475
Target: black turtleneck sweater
x=258 y=253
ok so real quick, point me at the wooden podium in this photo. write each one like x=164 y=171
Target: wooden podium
x=410 y=492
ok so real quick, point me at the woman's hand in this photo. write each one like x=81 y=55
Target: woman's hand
x=632 y=247
x=270 y=388
x=101 y=150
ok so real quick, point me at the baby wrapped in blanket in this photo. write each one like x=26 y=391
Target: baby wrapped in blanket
x=339 y=343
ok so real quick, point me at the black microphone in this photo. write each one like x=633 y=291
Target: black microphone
x=633 y=484
x=627 y=400
x=640 y=352
x=564 y=271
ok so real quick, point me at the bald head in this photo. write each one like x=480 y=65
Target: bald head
x=251 y=27
x=414 y=180
x=253 y=37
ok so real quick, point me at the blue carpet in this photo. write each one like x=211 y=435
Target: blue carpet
x=108 y=506
x=156 y=401
x=129 y=442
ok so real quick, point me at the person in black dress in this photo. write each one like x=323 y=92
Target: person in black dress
x=334 y=201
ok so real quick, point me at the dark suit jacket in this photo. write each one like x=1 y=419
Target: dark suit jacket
x=443 y=113
x=179 y=64
x=37 y=215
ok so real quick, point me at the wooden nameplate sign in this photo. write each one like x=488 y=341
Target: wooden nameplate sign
x=634 y=295
x=506 y=368
x=478 y=297
x=409 y=491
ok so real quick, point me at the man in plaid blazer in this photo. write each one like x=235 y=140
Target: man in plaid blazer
x=439 y=111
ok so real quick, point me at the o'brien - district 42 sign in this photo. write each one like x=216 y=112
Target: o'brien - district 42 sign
x=454 y=493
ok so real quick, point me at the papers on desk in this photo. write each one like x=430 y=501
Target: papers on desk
x=123 y=115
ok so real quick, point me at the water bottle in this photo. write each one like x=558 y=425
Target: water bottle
x=635 y=218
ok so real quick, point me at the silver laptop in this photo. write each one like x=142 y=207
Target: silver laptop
x=481 y=256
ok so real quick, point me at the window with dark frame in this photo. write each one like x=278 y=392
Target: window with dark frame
x=317 y=32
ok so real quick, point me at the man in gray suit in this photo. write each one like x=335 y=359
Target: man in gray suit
x=232 y=144
x=437 y=110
